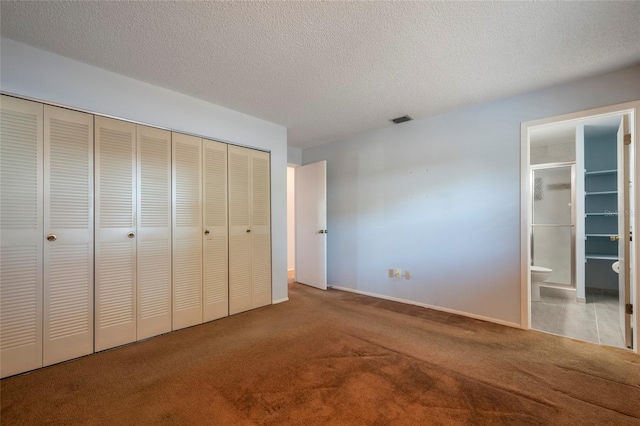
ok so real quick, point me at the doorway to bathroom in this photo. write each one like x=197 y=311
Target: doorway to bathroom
x=578 y=258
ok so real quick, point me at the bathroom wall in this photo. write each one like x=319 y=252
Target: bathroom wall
x=440 y=196
x=555 y=152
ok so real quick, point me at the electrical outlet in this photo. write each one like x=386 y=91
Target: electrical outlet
x=407 y=275
x=391 y=273
x=398 y=273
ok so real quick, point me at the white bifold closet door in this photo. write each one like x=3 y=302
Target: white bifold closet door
x=187 y=230
x=249 y=229
x=133 y=232
x=153 y=232
x=46 y=216
x=115 y=245
x=68 y=229
x=215 y=247
x=21 y=242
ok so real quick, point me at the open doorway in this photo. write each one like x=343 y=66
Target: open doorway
x=291 y=223
x=578 y=201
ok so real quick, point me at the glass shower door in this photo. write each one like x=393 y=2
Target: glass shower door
x=553 y=238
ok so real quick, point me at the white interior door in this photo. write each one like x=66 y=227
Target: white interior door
x=115 y=245
x=68 y=225
x=187 y=230
x=21 y=225
x=153 y=237
x=311 y=224
x=215 y=248
x=624 y=282
x=239 y=230
x=260 y=229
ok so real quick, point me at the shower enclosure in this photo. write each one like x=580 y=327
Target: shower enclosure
x=553 y=242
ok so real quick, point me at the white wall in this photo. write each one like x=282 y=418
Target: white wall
x=42 y=75
x=294 y=155
x=291 y=219
x=441 y=197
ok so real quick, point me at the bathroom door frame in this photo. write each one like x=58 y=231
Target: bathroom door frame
x=633 y=110
x=572 y=167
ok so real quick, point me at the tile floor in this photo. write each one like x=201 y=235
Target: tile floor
x=595 y=321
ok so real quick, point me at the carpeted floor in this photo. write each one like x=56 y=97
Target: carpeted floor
x=336 y=358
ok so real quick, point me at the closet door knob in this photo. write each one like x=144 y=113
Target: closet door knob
x=131 y=235
x=206 y=232
x=248 y=230
x=52 y=237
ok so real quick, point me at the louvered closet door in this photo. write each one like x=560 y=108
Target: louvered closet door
x=260 y=230
x=239 y=230
x=21 y=226
x=215 y=248
x=154 y=232
x=68 y=221
x=115 y=245
x=187 y=230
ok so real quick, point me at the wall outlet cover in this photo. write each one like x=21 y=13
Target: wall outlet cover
x=398 y=273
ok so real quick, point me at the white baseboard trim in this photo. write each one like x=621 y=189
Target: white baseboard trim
x=275 y=302
x=425 y=305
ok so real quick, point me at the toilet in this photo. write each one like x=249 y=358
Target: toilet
x=539 y=275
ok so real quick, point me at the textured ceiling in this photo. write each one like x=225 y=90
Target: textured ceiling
x=327 y=70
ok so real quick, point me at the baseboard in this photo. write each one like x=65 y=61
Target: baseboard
x=425 y=305
x=275 y=302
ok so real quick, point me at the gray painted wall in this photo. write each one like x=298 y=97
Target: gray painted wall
x=440 y=197
x=38 y=74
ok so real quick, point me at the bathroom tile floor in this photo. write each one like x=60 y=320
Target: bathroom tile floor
x=595 y=321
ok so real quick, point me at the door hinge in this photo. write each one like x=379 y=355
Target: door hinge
x=627 y=139
x=628 y=309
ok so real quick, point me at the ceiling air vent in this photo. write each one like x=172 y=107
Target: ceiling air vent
x=401 y=119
